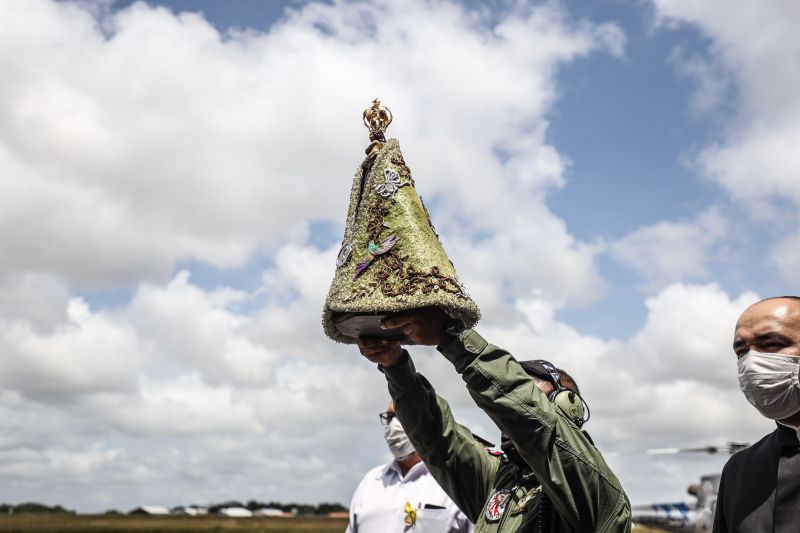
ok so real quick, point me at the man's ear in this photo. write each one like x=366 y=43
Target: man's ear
x=545 y=386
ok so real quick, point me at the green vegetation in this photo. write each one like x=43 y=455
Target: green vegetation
x=31 y=508
x=48 y=523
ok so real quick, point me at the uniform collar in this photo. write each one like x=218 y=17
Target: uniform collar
x=788 y=436
x=393 y=469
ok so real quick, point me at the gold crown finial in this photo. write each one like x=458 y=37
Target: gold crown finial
x=377 y=118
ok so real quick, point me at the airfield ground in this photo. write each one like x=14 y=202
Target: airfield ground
x=169 y=524
x=174 y=524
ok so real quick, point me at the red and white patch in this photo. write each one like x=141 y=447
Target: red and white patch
x=497 y=505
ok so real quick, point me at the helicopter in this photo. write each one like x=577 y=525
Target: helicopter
x=685 y=517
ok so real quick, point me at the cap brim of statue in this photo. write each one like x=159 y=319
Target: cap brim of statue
x=356 y=325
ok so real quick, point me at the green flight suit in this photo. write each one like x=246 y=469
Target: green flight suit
x=583 y=494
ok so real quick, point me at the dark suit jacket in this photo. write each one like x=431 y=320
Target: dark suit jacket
x=759 y=490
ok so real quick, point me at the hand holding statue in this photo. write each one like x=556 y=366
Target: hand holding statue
x=422 y=326
x=385 y=352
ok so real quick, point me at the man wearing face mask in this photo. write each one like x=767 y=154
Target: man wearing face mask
x=402 y=496
x=551 y=478
x=760 y=486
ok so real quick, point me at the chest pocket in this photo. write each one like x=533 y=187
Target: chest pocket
x=431 y=521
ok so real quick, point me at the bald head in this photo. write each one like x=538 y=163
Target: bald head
x=770 y=326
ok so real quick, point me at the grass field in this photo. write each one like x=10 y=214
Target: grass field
x=173 y=524
x=166 y=524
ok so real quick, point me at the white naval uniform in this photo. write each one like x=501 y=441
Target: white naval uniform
x=378 y=504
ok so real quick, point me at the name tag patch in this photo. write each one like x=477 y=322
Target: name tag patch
x=497 y=505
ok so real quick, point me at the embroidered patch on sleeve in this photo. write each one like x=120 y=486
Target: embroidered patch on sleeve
x=497 y=505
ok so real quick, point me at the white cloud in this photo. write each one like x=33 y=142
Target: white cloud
x=754 y=48
x=57 y=462
x=180 y=406
x=301 y=269
x=150 y=138
x=668 y=251
x=89 y=352
x=758 y=45
x=166 y=140
x=712 y=84
x=136 y=436
x=676 y=387
x=671 y=384
x=642 y=389
x=688 y=336
x=786 y=258
x=177 y=366
x=195 y=329
x=39 y=299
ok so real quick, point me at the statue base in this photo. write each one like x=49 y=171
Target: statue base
x=366 y=325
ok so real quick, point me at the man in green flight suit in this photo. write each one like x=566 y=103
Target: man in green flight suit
x=562 y=483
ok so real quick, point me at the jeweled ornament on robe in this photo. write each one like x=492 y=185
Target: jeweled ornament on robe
x=391 y=259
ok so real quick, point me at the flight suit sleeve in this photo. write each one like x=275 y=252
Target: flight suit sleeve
x=583 y=490
x=460 y=464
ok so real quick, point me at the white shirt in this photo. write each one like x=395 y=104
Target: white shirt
x=378 y=505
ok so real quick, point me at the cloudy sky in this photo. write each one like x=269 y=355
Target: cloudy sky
x=615 y=182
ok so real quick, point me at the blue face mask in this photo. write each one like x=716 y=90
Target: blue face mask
x=771 y=383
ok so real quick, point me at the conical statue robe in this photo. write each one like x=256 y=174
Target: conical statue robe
x=391 y=258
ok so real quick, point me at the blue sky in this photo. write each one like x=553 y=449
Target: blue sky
x=614 y=182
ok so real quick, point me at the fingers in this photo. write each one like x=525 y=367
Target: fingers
x=400 y=320
x=422 y=326
x=408 y=323
x=376 y=346
x=412 y=317
x=375 y=342
x=386 y=352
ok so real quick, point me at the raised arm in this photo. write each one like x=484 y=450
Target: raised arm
x=461 y=465
x=581 y=487
x=573 y=473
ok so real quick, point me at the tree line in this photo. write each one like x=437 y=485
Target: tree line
x=301 y=509
x=32 y=508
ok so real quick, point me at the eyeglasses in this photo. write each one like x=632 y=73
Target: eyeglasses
x=386 y=417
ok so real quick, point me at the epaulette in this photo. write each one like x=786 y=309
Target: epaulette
x=484 y=442
x=498 y=453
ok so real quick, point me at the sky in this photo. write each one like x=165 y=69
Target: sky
x=615 y=182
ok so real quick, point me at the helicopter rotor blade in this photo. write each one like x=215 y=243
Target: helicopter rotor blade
x=729 y=448
x=661 y=451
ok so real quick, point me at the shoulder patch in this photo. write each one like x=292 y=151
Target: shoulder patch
x=497 y=505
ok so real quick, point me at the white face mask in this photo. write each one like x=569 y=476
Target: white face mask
x=769 y=381
x=397 y=439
